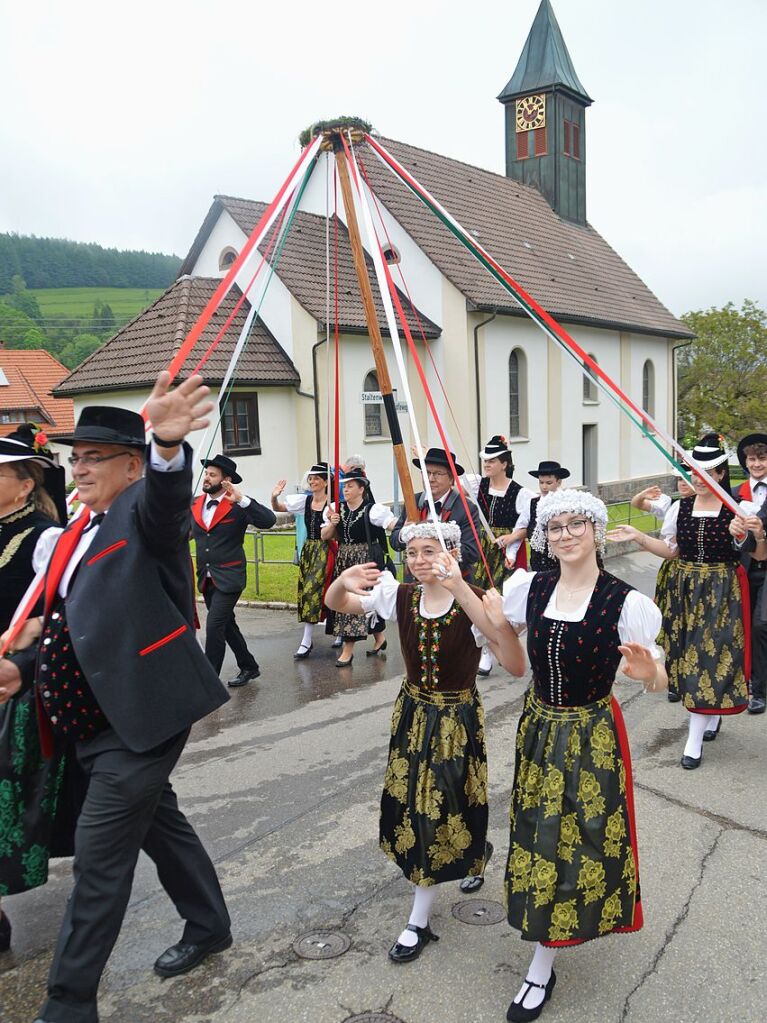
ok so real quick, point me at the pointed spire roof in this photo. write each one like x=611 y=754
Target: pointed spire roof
x=545 y=61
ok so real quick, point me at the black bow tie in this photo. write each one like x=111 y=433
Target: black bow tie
x=95 y=522
x=212 y=504
x=437 y=507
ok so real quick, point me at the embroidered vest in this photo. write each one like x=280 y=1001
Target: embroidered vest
x=704 y=540
x=439 y=653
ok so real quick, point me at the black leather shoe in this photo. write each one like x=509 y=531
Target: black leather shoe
x=344 y=664
x=673 y=697
x=517 y=1013
x=407 y=953
x=182 y=958
x=245 y=676
x=5 y=932
x=473 y=884
x=690 y=763
x=376 y=650
x=483 y=672
x=711 y=733
x=756 y=705
x=303 y=652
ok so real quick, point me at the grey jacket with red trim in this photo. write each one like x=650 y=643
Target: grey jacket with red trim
x=130 y=612
x=219 y=547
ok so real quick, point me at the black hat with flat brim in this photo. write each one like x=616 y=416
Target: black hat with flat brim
x=227 y=466
x=550 y=469
x=105 y=424
x=436 y=456
x=751 y=438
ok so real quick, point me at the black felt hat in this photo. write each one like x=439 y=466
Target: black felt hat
x=105 y=424
x=751 y=438
x=227 y=466
x=550 y=469
x=436 y=456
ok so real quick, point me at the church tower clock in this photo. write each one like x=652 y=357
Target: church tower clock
x=546 y=120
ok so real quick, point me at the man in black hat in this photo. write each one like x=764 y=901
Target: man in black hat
x=448 y=505
x=120 y=677
x=752 y=455
x=221 y=516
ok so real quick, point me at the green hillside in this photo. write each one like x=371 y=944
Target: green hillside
x=78 y=303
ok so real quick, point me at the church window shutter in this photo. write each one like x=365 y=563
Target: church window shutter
x=523 y=145
x=540 y=141
x=567 y=138
x=576 y=142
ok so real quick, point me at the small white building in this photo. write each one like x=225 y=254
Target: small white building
x=500 y=373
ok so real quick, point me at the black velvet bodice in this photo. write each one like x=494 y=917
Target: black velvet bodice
x=19 y=533
x=499 y=511
x=705 y=540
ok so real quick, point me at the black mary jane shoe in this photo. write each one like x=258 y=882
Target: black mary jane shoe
x=483 y=672
x=407 y=953
x=182 y=958
x=5 y=932
x=690 y=763
x=344 y=664
x=473 y=884
x=376 y=650
x=673 y=697
x=517 y=1013
x=303 y=652
x=711 y=733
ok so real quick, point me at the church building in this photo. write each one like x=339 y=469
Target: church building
x=499 y=372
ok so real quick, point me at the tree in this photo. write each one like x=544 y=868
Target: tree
x=23 y=300
x=14 y=326
x=78 y=349
x=723 y=373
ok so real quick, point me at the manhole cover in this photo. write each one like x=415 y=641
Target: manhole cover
x=321 y=944
x=479 y=911
x=372 y=1017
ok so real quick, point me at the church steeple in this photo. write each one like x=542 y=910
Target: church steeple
x=546 y=119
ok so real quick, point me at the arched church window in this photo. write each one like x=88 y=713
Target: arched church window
x=376 y=426
x=517 y=393
x=227 y=257
x=391 y=255
x=648 y=388
x=590 y=393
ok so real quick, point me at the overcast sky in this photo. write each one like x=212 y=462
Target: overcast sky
x=121 y=121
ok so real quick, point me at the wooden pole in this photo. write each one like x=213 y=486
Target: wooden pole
x=374 y=330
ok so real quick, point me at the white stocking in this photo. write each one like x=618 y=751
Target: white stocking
x=713 y=722
x=423 y=900
x=694 y=745
x=539 y=972
x=306 y=639
x=487 y=660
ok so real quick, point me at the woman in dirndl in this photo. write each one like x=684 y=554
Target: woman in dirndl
x=572 y=872
x=706 y=619
x=358 y=524
x=654 y=501
x=502 y=502
x=434 y=805
x=29 y=784
x=315 y=562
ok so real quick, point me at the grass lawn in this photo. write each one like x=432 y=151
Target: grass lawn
x=78 y=303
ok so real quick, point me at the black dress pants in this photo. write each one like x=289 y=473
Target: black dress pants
x=221 y=628
x=129 y=806
x=758 y=634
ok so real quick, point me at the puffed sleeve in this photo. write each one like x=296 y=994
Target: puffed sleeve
x=46 y=541
x=522 y=505
x=515 y=593
x=668 y=529
x=640 y=622
x=660 y=506
x=381 y=516
x=295 y=503
x=381 y=602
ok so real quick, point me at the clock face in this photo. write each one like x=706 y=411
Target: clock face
x=531 y=112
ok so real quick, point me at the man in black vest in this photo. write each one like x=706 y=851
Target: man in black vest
x=120 y=677
x=448 y=505
x=221 y=515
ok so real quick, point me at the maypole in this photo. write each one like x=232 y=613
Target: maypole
x=333 y=140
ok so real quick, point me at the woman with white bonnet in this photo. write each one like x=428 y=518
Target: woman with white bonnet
x=434 y=804
x=572 y=872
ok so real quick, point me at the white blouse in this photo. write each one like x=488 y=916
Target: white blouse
x=381 y=602
x=660 y=506
x=46 y=541
x=639 y=622
x=296 y=504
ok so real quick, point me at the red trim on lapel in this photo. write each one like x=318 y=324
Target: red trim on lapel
x=197 y=506
x=223 y=509
x=107 y=550
x=220 y=513
x=744 y=490
x=62 y=552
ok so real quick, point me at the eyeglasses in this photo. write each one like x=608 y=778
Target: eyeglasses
x=438 y=475
x=575 y=528
x=90 y=460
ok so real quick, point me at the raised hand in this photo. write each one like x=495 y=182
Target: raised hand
x=639 y=663
x=445 y=570
x=280 y=486
x=175 y=413
x=623 y=533
x=231 y=493
x=360 y=579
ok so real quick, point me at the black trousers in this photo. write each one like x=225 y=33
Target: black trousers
x=129 y=806
x=221 y=628
x=758 y=635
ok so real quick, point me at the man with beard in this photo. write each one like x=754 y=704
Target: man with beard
x=221 y=515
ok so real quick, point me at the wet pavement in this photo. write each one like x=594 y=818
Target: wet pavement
x=283 y=785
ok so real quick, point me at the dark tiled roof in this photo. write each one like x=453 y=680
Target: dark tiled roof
x=545 y=61
x=302 y=267
x=31 y=377
x=135 y=354
x=568 y=268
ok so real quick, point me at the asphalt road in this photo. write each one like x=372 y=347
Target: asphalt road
x=283 y=785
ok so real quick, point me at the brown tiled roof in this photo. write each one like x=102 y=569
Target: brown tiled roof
x=569 y=269
x=31 y=377
x=302 y=266
x=138 y=351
